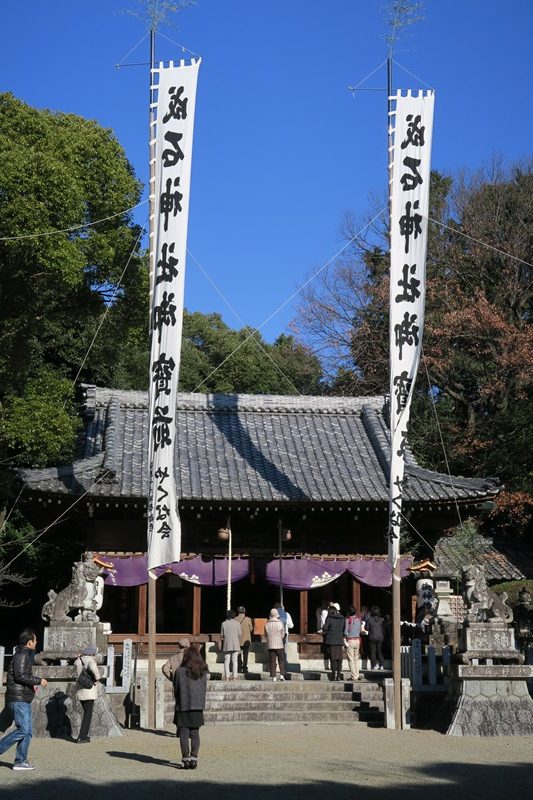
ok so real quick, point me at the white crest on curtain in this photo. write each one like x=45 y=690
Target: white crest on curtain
x=411 y=166
x=176 y=90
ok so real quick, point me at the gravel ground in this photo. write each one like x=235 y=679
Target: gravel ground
x=324 y=762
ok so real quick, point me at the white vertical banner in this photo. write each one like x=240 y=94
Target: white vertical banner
x=176 y=97
x=409 y=191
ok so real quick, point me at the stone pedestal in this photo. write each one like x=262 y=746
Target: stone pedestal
x=57 y=713
x=488 y=694
x=64 y=640
x=56 y=710
x=491 y=701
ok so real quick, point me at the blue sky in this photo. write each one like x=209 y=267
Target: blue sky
x=282 y=148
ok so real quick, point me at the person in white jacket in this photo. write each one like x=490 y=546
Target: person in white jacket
x=275 y=634
x=87 y=696
x=288 y=624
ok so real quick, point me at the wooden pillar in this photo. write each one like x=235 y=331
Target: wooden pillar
x=142 y=599
x=196 y=609
x=152 y=632
x=356 y=594
x=304 y=605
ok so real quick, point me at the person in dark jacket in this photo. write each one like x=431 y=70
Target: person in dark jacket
x=333 y=632
x=190 y=685
x=374 y=628
x=20 y=691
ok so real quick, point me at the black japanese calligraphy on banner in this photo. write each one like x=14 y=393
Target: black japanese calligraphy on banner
x=412 y=124
x=173 y=135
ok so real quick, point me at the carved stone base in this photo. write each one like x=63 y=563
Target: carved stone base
x=57 y=714
x=492 y=708
x=488 y=637
x=65 y=640
x=488 y=694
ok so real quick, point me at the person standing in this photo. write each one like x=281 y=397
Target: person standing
x=246 y=637
x=288 y=624
x=352 y=640
x=20 y=691
x=321 y=615
x=86 y=696
x=174 y=662
x=374 y=628
x=190 y=685
x=274 y=634
x=333 y=632
x=231 y=645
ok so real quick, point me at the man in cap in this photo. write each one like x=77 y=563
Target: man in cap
x=246 y=637
x=174 y=662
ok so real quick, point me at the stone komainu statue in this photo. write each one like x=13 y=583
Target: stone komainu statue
x=84 y=594
x=482 y=603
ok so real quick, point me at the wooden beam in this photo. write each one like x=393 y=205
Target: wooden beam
x=142 y=602
x=152 y=633
x=356 y=594
x=304 y=606
x=196 y=609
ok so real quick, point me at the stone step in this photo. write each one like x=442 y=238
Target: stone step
x=290 y=685
x=282 y=686
x=286 y=697
x=374 y=702
x=289 y=702
x=288 y=706
x=280 y=717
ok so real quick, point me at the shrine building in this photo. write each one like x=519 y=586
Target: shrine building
x=302 y=482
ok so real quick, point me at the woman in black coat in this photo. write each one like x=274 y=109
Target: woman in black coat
x=374 y=628
x=190 y=685
x=333 y=632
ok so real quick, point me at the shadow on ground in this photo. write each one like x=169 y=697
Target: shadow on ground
x=438 y=781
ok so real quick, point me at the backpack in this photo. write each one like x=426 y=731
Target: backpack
x=85 y=678
x=352 y=627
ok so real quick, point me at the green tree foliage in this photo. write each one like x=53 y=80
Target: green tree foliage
x=248 y=363
x=512 y=589
x=478 y=337
x=59 y=171
x=41 y=421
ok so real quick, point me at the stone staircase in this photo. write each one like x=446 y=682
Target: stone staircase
x=291 y=702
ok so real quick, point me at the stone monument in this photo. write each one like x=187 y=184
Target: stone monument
x=488 y=694
x=57 y=712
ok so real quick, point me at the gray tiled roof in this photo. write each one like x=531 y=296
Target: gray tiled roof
x=261 y=448
x=500 y=563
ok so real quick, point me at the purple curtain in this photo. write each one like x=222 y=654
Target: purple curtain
x=309 y=573
x=210 y=571
x=297 y=573
x=133 y=570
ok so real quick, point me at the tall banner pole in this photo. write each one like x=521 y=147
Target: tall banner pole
x=280 y=558
x=396 y=577
x=230 y=564
x=410 y=131
x=152 y=593
x=171 y=135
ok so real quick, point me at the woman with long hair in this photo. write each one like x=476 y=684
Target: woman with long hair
x=190 y=685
